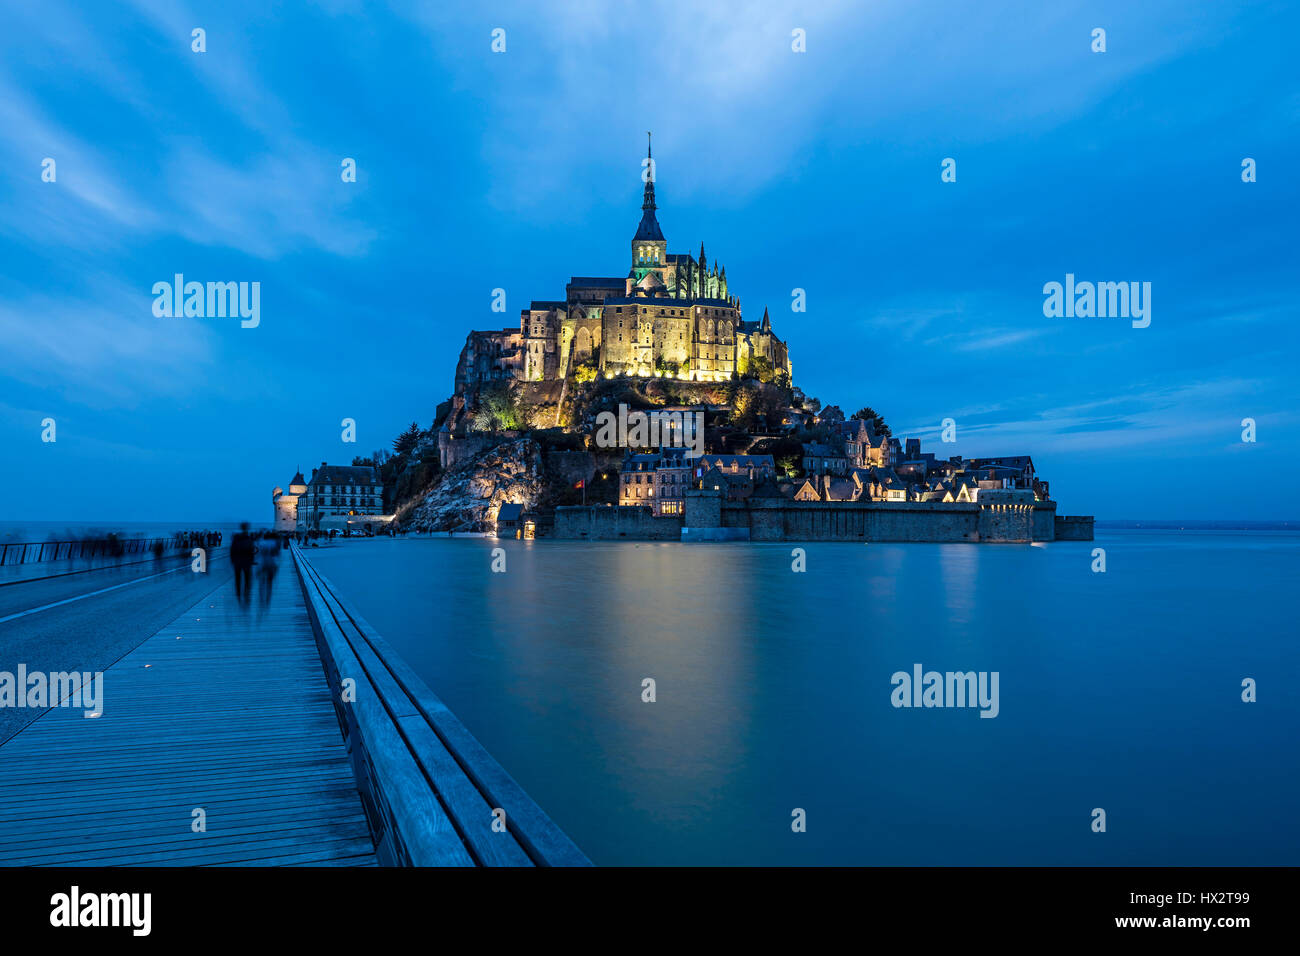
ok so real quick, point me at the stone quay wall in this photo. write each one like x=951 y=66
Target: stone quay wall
x=1074 y=527
x=1009 y=516
x=771 y=519
x=602 y=523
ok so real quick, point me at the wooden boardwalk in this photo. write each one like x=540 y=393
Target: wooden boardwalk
x=227 y=709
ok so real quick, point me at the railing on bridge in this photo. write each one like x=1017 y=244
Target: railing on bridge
x=34 y=552
x=432 y=794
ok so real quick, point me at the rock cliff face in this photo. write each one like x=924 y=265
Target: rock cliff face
x=468 y=496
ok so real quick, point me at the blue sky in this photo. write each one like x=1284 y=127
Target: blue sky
x=478 y=170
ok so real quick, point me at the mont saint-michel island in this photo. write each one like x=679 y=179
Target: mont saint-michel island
x=645 y=406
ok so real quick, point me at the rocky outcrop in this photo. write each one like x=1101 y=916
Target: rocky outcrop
x=468 y=496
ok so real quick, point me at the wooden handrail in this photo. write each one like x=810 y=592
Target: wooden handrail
x=433 y=795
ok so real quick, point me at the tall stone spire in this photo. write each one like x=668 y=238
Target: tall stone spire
x=649 y=229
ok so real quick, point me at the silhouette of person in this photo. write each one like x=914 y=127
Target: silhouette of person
x=268 y=562
x=242 y=551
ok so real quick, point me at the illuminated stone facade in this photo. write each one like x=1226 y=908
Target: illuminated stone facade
x=285 y=504
x=339 y=492
x=672 y=314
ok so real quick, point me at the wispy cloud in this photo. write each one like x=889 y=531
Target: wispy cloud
x=996 y=339
x=82 y=171
x=276 y=195
x=107 y=349
x=724 y=78
x=267 y=206
x=1156 y=418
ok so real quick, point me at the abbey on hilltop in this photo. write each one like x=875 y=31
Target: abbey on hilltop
x=671 y=315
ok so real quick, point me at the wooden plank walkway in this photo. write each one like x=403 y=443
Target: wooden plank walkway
x=226 y=709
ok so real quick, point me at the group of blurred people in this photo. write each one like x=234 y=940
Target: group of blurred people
x=186 y=541
x=110 y=545
x=198 y=539
x=260 y=550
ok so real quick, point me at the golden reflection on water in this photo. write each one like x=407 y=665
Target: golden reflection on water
x=958 y=571
x=630 y=612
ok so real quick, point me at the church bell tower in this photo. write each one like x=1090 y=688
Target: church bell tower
x=649 y=249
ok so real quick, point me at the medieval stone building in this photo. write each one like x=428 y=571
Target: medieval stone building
x=286 y=503
x=672 y=315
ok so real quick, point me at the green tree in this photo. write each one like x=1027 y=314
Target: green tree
x=756 y=406
x=407 y=440
x=873 y=419
x=497 y=410
x=742 y=404
x=787 y=453
x=669 y=368
x=760 y=368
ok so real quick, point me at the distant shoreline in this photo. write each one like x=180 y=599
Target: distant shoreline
x=1133 y=524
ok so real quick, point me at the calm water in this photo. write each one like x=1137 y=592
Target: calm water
x=1118 y=690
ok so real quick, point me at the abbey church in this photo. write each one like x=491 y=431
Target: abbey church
x=671 y=315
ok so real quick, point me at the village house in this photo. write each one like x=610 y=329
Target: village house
x=336 y=496
x=660 y=480
x=510 y=520
x=862 y=447
x=823 y=460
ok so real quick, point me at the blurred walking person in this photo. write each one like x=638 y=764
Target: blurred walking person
x=242 y=551
x=268 y=562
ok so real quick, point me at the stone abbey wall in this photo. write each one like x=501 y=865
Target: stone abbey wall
x=999 y=517
x=783 y=520
x=1074 y=527
x=602 y=523
x=1045 y=521
x=704 y=510
x=1007 y=516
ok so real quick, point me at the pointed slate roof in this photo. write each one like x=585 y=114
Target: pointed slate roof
x=649 y=229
